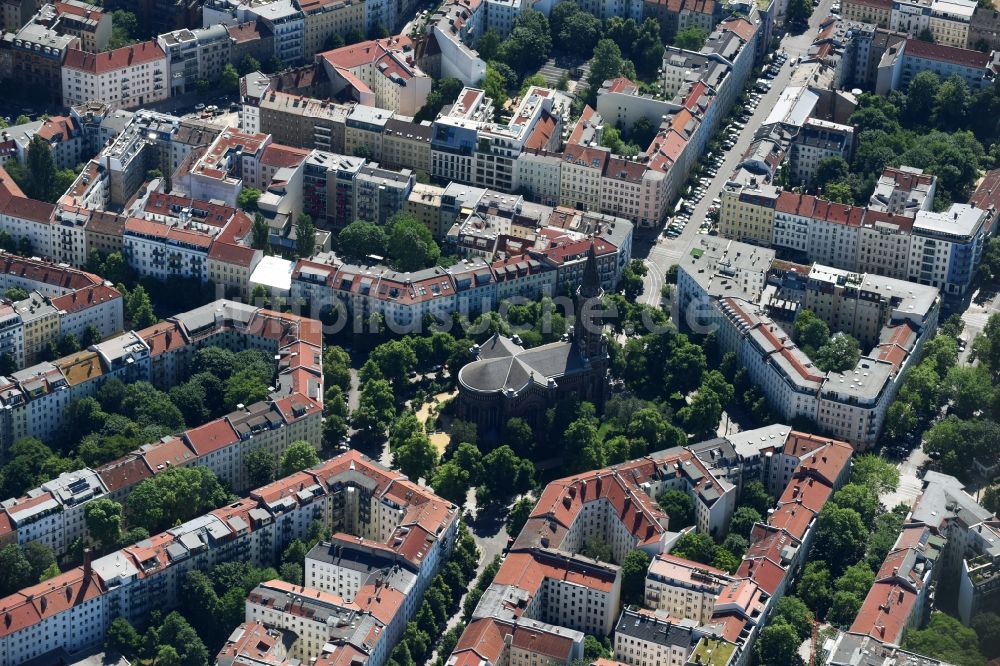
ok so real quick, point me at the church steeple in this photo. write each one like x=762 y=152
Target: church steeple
x=590 y=286
x=587 y=331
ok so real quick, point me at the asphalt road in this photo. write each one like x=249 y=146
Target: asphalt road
x=666 y=252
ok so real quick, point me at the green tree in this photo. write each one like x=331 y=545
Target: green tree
x=778 y=643
x=861 y=498
x=41 y=169
x=874 y=472
x=15 y=294
x=230 y=79
x=840 y=536
x=122 y=638
x=755 y=496
x=987 y=628
x=104 y=518
x=247 y=199
x=249 y=64
x=488 y=44
x=634 y=568
x=260 y=233
x=305 y=236
x=518 y=515
x=795 y=613
x=969 y=388
x=678 y=506
x=814 y=587
x=260 y=467
x=844 y=607
x=920 y=96
x=951 y=103
x=416 y=457
x=451 y=482
x=945 y=638
x=691 y=38
x=176 y=494
x=528 y=44
x=15 y=570
x=840 y=354
x=175 y=632
x=811 y=332
x=743 y=520
x=360 y=239
x=297 y=457
x=799 y=11
x=606 y=64
x=410 y=245
x=696 y=547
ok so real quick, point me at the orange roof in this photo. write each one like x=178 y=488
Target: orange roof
x=38 y=602
x=127 y=56
x=485 y=637
x=171 y=453
x=527 y=571
x=886 y=612
x=84 y=298
x=166 y=336
x=124 y=472
x=277 y=155
x=810 y=493
x=212 y=436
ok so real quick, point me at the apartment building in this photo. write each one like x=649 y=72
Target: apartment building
x=897 y=235
x=902 y=61
x=299 y=121
x=219 y=172
x=322 y=19
x=946 y=247
x=286 y=23
x=950 y=21
x=615 y=506
x=148 y=575
x=379 y=73
x=877 y=12
x=903 y=191
x=454 y=26
x=36 y=397
x=195 y=55
x=407 y=145
x=37 y=54
x=724 y=287
x=78 y=19
x=683 y=589
x=15 y=13
x=123 y=78
x=642 y=637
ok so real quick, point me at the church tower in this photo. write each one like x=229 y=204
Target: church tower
x=587 y=332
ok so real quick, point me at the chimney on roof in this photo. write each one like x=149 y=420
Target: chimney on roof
x=88 y=554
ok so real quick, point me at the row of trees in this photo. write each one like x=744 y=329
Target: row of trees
x=440 y=600
x=834 y=584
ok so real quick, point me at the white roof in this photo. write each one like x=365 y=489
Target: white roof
x=273 y=273
x=793 y=107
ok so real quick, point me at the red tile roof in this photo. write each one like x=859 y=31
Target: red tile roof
x=212 y=436
x=920 y=49
x=127 y=56
x=82 y=299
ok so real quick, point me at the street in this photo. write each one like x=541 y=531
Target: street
x=666 y=252
x=909 y=480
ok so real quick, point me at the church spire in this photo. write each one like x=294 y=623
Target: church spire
x=590 y=286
